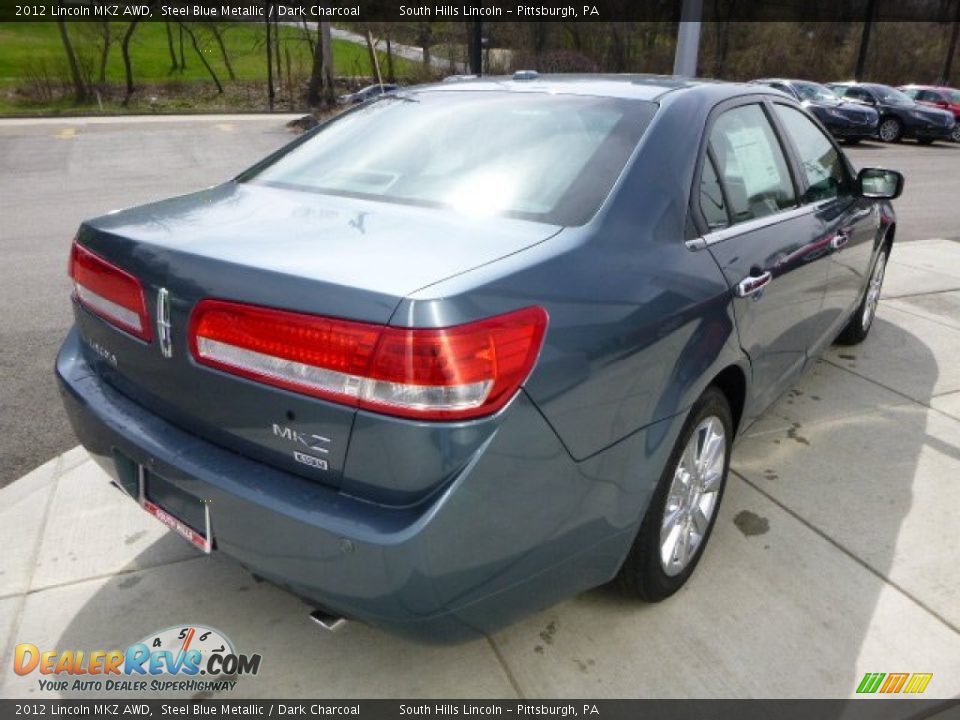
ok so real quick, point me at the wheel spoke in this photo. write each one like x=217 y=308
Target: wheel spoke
x=700 y=520
x=692 y=496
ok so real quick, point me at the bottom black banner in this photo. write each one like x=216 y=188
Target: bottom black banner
x=880 y=709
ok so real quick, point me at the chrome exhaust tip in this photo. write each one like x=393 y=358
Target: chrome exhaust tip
x=329 y=622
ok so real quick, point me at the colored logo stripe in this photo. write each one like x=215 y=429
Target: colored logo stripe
x=918 y=683
x=894 y=683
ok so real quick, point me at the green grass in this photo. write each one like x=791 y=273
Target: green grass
x=31 y=49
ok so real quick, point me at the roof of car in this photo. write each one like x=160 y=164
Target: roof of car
x=636 y=87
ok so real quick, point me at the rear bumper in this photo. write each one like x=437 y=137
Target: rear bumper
x=518 y=528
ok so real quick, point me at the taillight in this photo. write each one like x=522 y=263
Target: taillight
x=449 y=373
x=107 y=291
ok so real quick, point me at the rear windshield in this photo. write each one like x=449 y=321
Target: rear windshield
x=537 y=156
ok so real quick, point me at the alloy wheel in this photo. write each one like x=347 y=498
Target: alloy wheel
x=693 y=495
x=873 y=291
x=889 y=130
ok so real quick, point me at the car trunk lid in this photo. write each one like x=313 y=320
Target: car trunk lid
x=304 y=252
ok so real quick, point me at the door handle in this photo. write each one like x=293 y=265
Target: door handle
x=839 y=240
x=752 y=284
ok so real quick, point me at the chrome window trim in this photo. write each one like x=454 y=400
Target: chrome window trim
x=718 y=236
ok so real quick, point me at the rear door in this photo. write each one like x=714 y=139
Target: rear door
x=769 y=248
x=850 y=222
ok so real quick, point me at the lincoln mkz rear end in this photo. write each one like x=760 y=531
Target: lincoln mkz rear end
x=425 y=366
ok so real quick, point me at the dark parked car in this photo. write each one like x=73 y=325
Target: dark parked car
x=461 y=353
x=900 y=116
x=850 y=121
x=367 y=93
x=945 y=98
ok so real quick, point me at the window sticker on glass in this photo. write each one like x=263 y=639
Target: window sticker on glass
x=756 y=160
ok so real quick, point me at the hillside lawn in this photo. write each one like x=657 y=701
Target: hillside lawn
x=31 y=54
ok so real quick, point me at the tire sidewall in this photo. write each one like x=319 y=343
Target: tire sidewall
x=655 y=583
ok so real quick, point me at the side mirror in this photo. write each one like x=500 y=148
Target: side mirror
x=879 y=184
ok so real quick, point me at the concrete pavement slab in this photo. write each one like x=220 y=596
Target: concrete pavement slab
x=22 y=511
x=774 y=610
x=298 y=659
x=948 y=404
x=942 y=307
x=901 y=280
x=877 y=485
x=934 y=255
x=905 y=353
x=94 y=529
x=825 y=392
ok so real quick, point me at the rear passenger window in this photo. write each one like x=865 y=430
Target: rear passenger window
x=711 y=198
x=825 y=170
x=751 y=164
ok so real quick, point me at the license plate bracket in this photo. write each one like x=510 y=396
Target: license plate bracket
x=186 y=515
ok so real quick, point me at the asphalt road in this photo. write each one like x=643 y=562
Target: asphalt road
x=54 y=173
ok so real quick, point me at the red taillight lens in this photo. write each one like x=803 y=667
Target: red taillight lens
x=107 y=291
x=433 y=374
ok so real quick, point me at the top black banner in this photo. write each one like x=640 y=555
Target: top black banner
x=485 y=10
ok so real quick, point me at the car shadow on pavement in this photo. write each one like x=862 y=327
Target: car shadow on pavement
x=809 y=580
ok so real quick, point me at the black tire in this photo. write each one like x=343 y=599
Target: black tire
x=642 y=573
x=858 y=326
x=890 y=129
x=955 y=133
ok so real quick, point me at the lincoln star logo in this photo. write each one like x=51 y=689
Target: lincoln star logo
x=163 y=322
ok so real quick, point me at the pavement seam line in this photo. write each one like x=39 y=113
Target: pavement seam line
x=104 y=576
x=897 y=392
x=923 y=317
x=861 y=562
x=22 y=597
x=506 y=668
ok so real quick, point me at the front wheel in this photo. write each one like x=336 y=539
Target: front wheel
x=955 y=133
x=857 y=328
x=684 y=507
x=891 y=130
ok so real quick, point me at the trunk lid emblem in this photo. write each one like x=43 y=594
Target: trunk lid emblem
x=163 y=323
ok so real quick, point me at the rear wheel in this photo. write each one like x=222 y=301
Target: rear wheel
x=859 y=325
x=890 y=130
x=684 y=507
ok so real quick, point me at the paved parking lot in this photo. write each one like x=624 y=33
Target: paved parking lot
x=835 y=554
x=836 y=549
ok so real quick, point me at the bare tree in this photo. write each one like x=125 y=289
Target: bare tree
x=320 y=88
x=174 y=65
x=329 y=95
x=218 y=36
x=106 y=40
x=196 y=47
x=127 y=65
x=79 y=86
x=372 y=51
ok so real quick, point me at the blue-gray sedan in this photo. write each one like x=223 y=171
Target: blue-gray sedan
x=473 y=347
